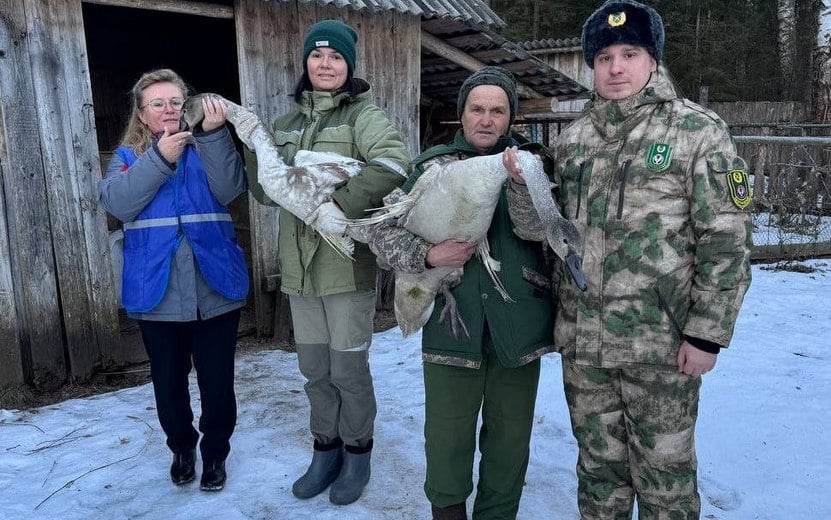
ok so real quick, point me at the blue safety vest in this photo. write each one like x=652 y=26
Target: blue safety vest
x=184 y=207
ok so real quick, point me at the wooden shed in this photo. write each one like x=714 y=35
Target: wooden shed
x=566 y=56
x=65 y=70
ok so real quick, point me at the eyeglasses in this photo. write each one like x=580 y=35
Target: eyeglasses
x=157 y=105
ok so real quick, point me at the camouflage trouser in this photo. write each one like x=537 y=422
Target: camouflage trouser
x=635 y=429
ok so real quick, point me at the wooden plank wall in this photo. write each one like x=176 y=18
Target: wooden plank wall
x=269 y=42
x=11 y=368
x=573 y=65
x=66 y=313
x=265 y=87
x=36 y=339
x=71 y=164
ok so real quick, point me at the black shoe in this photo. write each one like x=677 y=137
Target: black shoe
x=323 y=470
x=182 y=469
x=213 y=475
x=454 y=512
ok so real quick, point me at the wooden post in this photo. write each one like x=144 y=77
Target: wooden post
x=72 y=170
x=11 y=366
x=33 y=314
x=704 y=96
x=265 y=34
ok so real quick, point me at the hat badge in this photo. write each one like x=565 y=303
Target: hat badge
x=617 y=19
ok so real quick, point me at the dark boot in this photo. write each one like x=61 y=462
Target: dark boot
x=182 y=469
x=454 y=512
x=353 y=476
x=213 y=475
x=327 y=460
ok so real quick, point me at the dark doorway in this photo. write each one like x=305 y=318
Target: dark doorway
x=125 y=42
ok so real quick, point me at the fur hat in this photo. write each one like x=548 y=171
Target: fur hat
x=623 y=21
x=489 y=76
x=334 y=34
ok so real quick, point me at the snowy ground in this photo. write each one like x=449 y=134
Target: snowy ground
x=763 y=434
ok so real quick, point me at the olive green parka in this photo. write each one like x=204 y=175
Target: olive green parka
x=354 y=127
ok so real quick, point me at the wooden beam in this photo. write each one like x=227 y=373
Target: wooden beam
x=774 y=252
x=461 y=58
x=782 y=140
x=538 y=106
x=172 y=6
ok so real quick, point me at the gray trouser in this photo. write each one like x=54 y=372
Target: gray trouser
x=333 y=334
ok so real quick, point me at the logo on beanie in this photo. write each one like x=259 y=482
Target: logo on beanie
x=617 y=19
x=322 y=43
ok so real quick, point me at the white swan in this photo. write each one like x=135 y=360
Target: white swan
x=457 y=200
x=299 y=189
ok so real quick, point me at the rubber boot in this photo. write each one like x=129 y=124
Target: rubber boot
x=353 y=476
x=327 y=460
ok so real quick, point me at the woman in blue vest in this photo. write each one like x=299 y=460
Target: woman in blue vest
x=184 y=278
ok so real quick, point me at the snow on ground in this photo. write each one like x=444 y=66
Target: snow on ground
x=762 y=440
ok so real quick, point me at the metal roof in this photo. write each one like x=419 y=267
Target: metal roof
x=468 y=12
x=441 y=78
x=565 y=44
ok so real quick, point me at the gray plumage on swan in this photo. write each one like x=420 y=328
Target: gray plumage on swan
x=299 y=189
x=457 y=200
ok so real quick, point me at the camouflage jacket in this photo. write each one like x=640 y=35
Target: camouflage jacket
x=519 y=331
x=659 y=195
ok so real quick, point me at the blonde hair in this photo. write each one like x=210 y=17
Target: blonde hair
x=137 y=136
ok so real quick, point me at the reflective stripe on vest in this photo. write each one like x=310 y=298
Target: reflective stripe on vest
x=174 y=221
x=183 y=208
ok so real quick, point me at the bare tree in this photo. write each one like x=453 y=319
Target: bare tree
x=822 y=65
x=786 y=13
x=536 y=20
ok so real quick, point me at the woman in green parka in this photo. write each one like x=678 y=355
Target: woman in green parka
x=332 y=298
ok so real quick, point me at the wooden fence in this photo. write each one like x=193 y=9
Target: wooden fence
x=790 y=158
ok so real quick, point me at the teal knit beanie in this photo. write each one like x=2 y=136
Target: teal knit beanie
x=334 y=34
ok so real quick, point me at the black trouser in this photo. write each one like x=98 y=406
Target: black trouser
x=209 y=345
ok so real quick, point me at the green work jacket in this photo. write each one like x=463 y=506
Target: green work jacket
x=354 y=127
x=519 y=331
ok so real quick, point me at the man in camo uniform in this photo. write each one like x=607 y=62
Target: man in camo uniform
x=660 y=197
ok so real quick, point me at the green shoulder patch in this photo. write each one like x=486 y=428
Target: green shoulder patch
x=659 y=157
x=739 y=185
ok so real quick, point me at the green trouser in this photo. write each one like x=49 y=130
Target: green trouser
x=453 y=398
x=635 y=429
x=333 y=334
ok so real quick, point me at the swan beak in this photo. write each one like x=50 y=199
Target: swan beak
x=574 y=263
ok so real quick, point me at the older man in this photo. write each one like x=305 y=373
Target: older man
x=496 y=370
x=654 y=184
